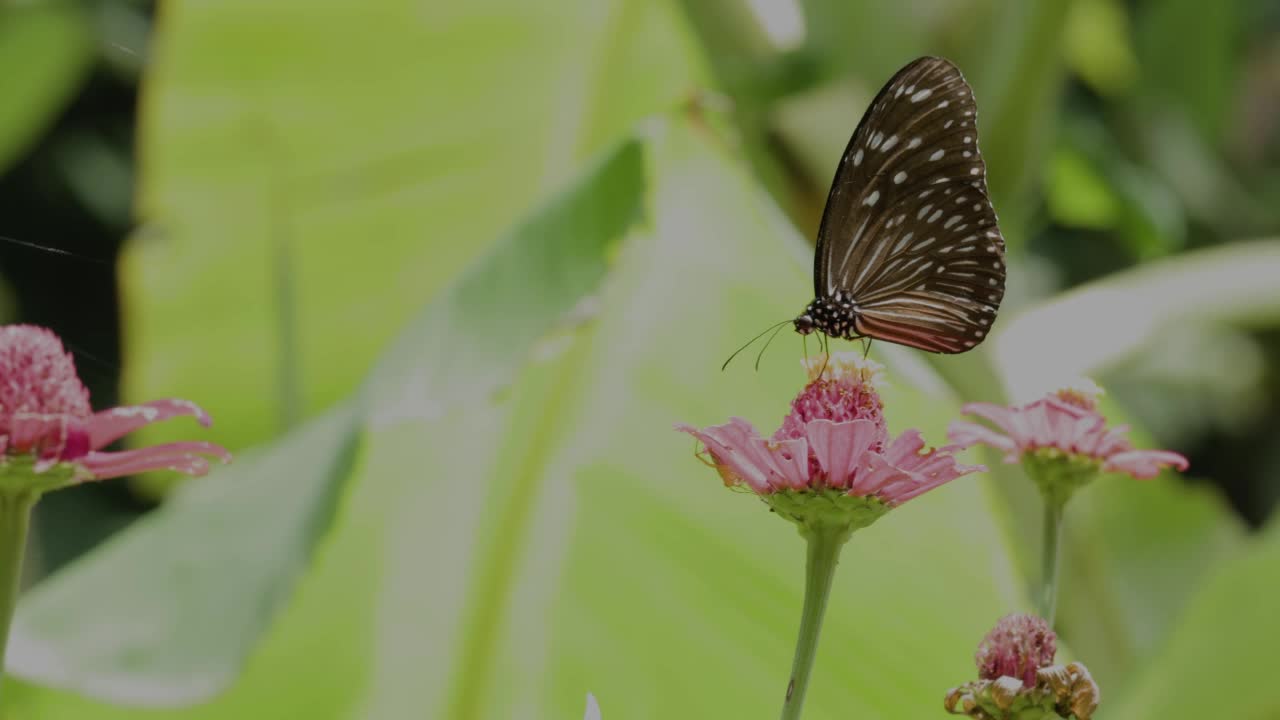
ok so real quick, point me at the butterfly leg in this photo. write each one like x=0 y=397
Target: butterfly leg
x=826 y=354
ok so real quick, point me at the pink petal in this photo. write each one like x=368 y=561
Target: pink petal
x=762 y=465
x=967 y=434
x=841 y=447
x=1011 y=420
x=1002 y=417
x=54 y=436
x=905 y=449
x=876 y=475
x=183 y=457
x=1113 y=442
x=110 y=425
x=1144 y=463
x=903 y=472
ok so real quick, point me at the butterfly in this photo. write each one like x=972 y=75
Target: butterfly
x=908 y=250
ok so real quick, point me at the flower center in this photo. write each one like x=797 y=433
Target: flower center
x=37 y=376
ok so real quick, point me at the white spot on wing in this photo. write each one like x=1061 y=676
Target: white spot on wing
x=857 y=158
x=915 y=143
x=897 y=179
x=922 y=95
x=937 y=154
x=873 y=198
x=893 y=140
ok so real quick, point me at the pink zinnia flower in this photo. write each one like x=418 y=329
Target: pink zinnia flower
x=1017 y=647
x=45 y=417
x=833 y=440
x=1065 y=423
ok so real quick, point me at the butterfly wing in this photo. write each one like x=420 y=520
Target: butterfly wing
x=909 y=232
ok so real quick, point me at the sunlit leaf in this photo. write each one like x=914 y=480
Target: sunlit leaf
x=584 y=526
x=235 y=542
x=1096 y=325
x=302 y=193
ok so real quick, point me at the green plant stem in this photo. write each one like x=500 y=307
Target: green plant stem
x=820 y=568
x=1050 y=551
x=15 y=516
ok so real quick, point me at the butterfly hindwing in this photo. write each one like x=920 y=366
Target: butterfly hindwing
x=909 y=233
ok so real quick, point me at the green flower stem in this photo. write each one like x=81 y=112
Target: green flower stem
x=15 y=516
x=823 y=555
x=1050 y=550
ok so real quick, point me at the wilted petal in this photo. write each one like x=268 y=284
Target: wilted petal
x=110 y=425
x=762 y=465
x=1144 y=464
x=840 y=447
x=785 y=462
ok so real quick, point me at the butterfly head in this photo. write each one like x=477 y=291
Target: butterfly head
x=805 y=324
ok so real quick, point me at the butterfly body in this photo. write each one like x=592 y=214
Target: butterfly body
x=909 y=250
x=835 y=315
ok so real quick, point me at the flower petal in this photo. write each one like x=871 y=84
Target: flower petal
x=841 y=447
x=967 y=434
x=110 y=425
x=903 y=472
x=183 y=457
x=1144 y=464
x=762 y=465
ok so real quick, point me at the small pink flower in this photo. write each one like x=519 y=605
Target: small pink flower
x=1017 y=647
x=45 y=416
x=1019 y=679
x=834 y=438
x=1067 y=422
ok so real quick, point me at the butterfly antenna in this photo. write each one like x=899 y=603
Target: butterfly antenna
x=866 y=346
x=777 y=326
x=767 y=343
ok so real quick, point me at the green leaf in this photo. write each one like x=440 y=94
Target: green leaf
x=490 y=319
x=1018 y=81
x=1196 y=78
x=1095 y=326
x=45 y=50
x=588 y=549
x=1134 y=554
x=303 y=194
x=168 y=609
x=1218 y=661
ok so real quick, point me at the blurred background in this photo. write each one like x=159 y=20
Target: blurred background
x=250 y=205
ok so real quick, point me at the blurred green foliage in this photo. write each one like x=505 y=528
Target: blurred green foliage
x=454 y=271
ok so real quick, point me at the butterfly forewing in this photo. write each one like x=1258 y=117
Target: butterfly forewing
x=909 y=234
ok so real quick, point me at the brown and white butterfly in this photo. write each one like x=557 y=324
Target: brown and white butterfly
x=908 y=250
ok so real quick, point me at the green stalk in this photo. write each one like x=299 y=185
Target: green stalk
x=823 y=555
x=1050 y=551
x=15 y=516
